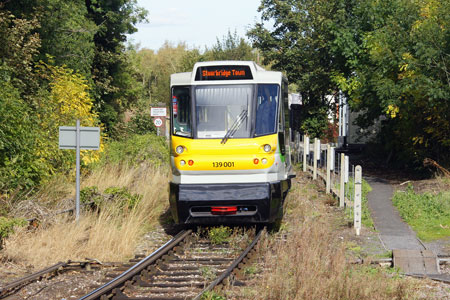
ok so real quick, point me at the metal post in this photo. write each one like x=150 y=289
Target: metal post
x=315 y=159
x=328 y=182
x=342 y=182
x=77 y=196
x=357 y=201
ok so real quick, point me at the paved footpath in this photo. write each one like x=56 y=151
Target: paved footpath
x=394 y=232
x=396 y=235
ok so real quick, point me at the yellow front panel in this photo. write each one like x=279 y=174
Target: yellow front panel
x=235 y=154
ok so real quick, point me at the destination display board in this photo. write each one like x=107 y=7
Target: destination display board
x=223 y=73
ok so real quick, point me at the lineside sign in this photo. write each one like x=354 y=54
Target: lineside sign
x=78 y=138
x=158 y=112
x=89 y=137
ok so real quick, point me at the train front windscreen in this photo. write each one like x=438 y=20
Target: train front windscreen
x=235 y=111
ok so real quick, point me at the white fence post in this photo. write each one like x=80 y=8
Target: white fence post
x=316 y=153
x=305 y=152
x=342 y=182
x=357 y=201
x=328 y=181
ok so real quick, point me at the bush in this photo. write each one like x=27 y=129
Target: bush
x=137 y=149
x=141 y=123
x=7 y=227
x=124 y=199
x=20 y=166
x=121 y=195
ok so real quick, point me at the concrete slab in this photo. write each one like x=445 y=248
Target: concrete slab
x=422 y=262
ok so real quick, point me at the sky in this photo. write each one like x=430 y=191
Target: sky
x=197 y=22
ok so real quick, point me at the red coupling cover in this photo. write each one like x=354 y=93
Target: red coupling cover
x=224 y=210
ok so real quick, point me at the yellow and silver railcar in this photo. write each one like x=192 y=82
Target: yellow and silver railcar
x=230 y=151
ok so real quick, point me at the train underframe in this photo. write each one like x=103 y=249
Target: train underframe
x=228 y=203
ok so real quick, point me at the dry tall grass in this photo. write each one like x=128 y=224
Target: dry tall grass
x=312 y=263
x=108 y=235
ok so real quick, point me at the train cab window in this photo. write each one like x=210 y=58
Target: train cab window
x=223 y=110
x=266 y=109
x=181 y=111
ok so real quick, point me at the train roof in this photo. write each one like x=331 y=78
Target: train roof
x=253 y=73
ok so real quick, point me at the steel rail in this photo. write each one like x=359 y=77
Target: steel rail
x=4 y=290
x=230 y=269
x=137 y=268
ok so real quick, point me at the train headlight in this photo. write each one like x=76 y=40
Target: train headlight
x=179 y=149
x=267 y=148
x=182 y=162
x=264 y=161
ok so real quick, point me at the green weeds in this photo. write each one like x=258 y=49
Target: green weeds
x=366 y=219
x=120 y=195
x=219 y=235
x=427 y=214
x=212 y=296
x=7 y=227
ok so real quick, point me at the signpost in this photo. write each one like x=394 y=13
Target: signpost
x=159 y=114
x=87 y=138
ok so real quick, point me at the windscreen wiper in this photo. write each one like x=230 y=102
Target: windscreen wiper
x=236 y=125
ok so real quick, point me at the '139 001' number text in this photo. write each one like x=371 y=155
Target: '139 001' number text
x=223 y=164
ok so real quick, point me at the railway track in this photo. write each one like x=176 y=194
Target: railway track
x=50 y=272
x=185 y=267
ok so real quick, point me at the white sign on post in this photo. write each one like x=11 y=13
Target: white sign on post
x=307 y=145
x=332 y=158
x=317 y=150
x=158 y=122
x=347 y=168
x=87 y=138
x=158 y=112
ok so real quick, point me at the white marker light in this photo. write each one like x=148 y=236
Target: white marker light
x=182 y=162
x=179 y=149
x=264 y=161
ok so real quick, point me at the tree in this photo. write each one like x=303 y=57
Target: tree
x=299 y=44
x=403 y=75
x=18 y=51
x=114 y=89
x=390 y=58
x=232 y=47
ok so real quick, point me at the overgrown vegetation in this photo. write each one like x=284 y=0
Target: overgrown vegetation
x=59 y=61
x=136 y=150
x=314 y=254
x=427 y=213
x=127 y=207
x=7 y=227
x=390 y=58
x=219 y=235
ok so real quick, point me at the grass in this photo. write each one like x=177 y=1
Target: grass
x=428 y=214
x=312 y=262
x=137 y=190
x=108 y=234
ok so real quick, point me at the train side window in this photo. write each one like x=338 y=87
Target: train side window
x=181 y=111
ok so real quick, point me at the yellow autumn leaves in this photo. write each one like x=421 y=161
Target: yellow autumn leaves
x=67 y=101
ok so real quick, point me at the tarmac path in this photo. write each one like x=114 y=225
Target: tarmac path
x=394 y=232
